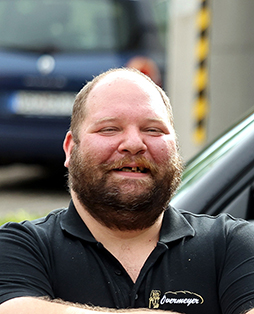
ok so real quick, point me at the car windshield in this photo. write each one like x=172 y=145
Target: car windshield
x=63 y=25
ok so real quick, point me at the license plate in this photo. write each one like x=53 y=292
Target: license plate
x=42 y=103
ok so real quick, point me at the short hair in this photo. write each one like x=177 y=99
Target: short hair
x=78 y=112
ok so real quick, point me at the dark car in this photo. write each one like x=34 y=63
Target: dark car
x=221 y=178
x=50 y=48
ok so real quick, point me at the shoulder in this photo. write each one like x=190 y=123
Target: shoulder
x=38 y=228
x=220 y=237
x=223 y=226
x=35 y=241
x=223 y=220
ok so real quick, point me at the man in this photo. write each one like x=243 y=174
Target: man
x=120 y=245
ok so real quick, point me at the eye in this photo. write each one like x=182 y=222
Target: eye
x=154 y=131
x=108 y=130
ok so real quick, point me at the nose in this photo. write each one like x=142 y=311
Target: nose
x=133 y=143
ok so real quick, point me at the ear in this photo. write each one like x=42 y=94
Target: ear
x=68 y=145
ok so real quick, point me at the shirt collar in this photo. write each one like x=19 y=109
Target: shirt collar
x=174 y=226
x=72 y=223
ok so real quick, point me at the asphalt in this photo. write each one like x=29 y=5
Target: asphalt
x=32 y=189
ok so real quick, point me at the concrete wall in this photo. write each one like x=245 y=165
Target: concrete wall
x=231 y=66
x=181 y=69
x=231 y=63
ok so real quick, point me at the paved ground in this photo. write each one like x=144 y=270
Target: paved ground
x=31 y=188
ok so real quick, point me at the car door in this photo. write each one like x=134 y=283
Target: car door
x=221 y=178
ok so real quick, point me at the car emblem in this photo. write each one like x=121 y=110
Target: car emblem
x=46 y=64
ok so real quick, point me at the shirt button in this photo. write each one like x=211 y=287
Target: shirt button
x=99 y=245
x=118 y=272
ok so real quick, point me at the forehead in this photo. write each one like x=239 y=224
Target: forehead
x=125 y=91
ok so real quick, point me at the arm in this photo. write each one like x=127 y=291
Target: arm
x=29 y=305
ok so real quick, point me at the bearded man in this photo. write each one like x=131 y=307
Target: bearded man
x=120 y=245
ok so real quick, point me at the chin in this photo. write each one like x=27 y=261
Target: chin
x=132 y=185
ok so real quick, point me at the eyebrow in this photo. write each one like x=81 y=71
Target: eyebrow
x=156 y=120
x=105 y=119
x=110 y=119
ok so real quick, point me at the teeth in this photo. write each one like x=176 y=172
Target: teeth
x=133 y=169
x=126 y=169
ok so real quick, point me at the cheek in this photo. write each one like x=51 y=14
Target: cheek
x=97 y=147
x=163 y=151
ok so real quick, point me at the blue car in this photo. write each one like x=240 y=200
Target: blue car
x=50 y=48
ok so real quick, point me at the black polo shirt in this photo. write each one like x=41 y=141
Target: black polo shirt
x=201 y=264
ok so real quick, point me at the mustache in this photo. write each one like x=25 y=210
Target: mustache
x=140 y=161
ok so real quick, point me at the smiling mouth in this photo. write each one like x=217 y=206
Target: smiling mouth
x=133 y=169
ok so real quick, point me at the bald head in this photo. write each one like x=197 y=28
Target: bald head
x=106 y=80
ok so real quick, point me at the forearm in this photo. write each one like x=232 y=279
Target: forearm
x=29 y=305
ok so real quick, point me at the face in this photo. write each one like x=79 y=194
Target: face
x=126 y=166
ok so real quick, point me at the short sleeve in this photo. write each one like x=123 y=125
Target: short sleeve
x=24 y=262
x=236 y=283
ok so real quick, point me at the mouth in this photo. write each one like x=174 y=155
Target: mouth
x=133 y=169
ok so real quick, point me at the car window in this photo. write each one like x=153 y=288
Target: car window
x=236 y=200
x=62 y=25
x=238 y=207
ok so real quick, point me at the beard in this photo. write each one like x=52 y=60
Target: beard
x=123 y=203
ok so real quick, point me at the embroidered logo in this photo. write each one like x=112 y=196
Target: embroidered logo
x=174 y=297
x=154 y=300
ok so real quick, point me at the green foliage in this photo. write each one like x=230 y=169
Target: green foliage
x=17 y=216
